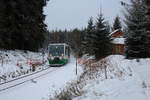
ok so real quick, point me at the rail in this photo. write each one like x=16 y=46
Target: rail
x=23 y=77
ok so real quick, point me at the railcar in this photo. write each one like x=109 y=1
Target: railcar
x=58 y=54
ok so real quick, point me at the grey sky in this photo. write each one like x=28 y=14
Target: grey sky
x=70 y=14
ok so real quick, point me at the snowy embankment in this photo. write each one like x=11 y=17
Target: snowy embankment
x=41 y=87
x=17 y=61
x=126 y=80
x=16 y=67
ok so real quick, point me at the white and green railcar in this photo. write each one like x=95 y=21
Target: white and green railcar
x=58 y=54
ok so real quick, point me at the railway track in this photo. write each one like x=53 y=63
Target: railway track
x=21 y=80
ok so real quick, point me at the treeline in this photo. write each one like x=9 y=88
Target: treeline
x=22 y=27
x=22 y=24
x=137 y=20
x=92 y=40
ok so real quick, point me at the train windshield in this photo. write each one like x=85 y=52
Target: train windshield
x=56 y=50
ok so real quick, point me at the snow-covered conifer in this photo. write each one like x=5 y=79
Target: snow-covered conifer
x=117 y=23
x=101 y=42
x=22 y=24
x=87 y=43
x=137 y=42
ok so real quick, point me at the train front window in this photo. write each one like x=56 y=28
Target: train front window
x=56 y=50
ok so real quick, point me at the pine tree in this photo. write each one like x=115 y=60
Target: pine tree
x=147 y=26
x=117 y=23
x=101 y=43
x=22 y=24
x=2 y=21
x=87 y=43
x=137 y=41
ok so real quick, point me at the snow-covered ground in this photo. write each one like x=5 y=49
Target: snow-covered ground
x=40 y=88
x=17 y=61
x=127 y=80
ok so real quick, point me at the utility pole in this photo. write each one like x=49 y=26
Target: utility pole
x=105 y=68
x=43 y=53
x=76 y=67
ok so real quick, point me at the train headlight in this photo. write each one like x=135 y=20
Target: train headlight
x=52 y=58
x=60 y=57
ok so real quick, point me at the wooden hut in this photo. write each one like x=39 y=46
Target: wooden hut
x=118 y=42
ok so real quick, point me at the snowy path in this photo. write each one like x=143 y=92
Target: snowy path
x=40 y=88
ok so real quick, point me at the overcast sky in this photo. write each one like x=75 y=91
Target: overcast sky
x=69 y=14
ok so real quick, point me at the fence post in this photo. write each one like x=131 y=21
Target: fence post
x=76 y=67
x=2 y=60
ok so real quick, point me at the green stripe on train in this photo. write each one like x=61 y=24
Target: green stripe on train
x=60 y=61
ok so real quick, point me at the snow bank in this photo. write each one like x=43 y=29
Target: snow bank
x=127 y=80
x=13 y=63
